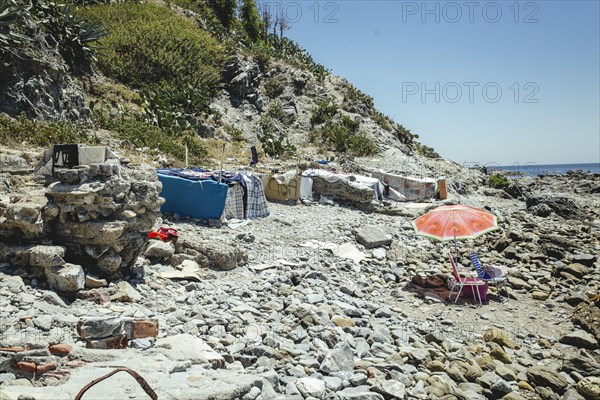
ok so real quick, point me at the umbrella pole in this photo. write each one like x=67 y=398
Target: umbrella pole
x=455 y=248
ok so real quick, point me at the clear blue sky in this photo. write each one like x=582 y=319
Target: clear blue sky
x=542 y=55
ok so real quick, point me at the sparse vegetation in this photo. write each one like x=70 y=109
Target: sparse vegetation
x=383 y=121
x=343 y=140
x=351 y=124
x=275 y=111
x=353 y=96
x=426 y=151
x=323 y=112
x=174 y=110
x=274 y=87
x=234 y=133
x=498 y=182
x=139 y=135
x=40 y=133
x=274 y=142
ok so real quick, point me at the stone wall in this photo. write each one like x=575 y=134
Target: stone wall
x=94 y=216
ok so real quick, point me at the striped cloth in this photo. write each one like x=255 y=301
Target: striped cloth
x=256 y=202
x=234 y=205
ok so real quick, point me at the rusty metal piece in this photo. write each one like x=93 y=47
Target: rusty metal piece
x=142 y=382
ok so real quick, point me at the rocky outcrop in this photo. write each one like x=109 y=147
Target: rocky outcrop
x=242 y=80
x=545 y=204
x=38 y=84
x=588 y=317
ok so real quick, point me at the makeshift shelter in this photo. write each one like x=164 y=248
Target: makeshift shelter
x=355 y=190
x=203 y=199
x=205 y=194
x=282 y=187
x=407 y=188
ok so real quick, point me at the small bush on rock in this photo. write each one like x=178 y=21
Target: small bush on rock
x=323 y=112
x=498 y=182
x=274 y=142
x=274 y=87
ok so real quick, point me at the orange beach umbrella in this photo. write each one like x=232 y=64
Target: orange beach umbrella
x=455 y=222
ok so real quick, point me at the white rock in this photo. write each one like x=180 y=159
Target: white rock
x=311 y=387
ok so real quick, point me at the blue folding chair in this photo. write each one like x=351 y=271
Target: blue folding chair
x=489 y=275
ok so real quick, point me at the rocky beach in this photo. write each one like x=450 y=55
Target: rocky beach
x=271 y=309
x=331 y=297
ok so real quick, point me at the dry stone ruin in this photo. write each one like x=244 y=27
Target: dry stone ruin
x=91 y=218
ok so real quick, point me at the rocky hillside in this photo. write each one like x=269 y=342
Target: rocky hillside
x=69 y=63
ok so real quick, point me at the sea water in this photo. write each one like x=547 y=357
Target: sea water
x=534 y=170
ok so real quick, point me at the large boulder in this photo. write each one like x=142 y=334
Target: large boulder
x=212 y=254
x=547 y=377
x=545 y=203
x=371 y=237
x=339 y=359
x=588 y=317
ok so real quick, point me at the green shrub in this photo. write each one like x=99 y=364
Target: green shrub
x=362 y=146
x=151 y=46
x=205 y=13
x=383 y=121
x=225 y=11
x=426 y=151
x=498 y=182
x=250 y=20
x=274 y=142
x=337 y=136
x=12 y=15
x=233 y=132
x=274 y=87
x=41 y=133
x=275 y=111
x=350 y=123
x=404 y=135
x=174 y=110
x=261 y=55
x=355 y=96
x=341 y=139
x=288 y=50
x=75 y=37
x=324 y=111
